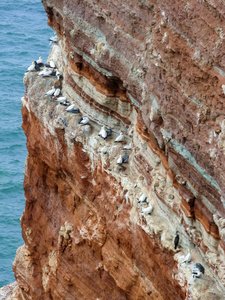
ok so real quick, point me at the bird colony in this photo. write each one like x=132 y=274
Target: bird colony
x=49 y=69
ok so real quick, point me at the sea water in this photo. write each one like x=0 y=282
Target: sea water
x=24 y=37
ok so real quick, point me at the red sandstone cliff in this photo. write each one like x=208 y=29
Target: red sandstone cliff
x=154 y=70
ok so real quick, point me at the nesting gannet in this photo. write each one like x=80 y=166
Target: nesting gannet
x=103 y=132
x=46 y=73
x=57 y=74
x=103 y=150
x=147 y=210
x=119 y=160
x=42 y=72
x=50 y=92
x=57 y=92
x=54 y=39
x=120 y=138
x=52 y=64
x=84 y=120
x=187 y=257
x=125 y=158
x=127 y=147
x=143 y=198
x=176 y=241
x=200 y=267
x=31 y=67
x=196 y=272
x=65 y=102
x=62 y=98
x=39 y=61
x=71 y=109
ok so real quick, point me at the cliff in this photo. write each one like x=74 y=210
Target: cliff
x=155 y=71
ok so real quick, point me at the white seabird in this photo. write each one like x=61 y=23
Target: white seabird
x=50 y=92
x=147 y=210
x=57 y=92
x=119 y=160
x=62 y=98
x=42 y=72
x=127 y=147
x=103 y=132
x=39 y=61
x=143 y=198
x=103 y=150
x=120 y=138
x=54 y=39
x=57 y=74
x=71 y=107
x=84 y=120
x=31 y=67
x=187 y=257
x=196 y=273
x=52 y=64
x=46 y=72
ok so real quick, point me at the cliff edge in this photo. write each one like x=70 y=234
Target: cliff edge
x=154 y=72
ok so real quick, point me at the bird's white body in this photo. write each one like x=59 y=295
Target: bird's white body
x=57 y=92
x=103 y=150
x=50 y=92
x=45 y=72
x=71 y=107
x=142 y=198
x=196 y=272
x=127 y=147
x=42 y=72
x=39 y=61
x=119 y=160
x=52 y=64
x=57 y=74
x=147 y=210
x=120 y=138
x=85 y=120
x=187 y=258
x=59 y=99
x=54 y=38
x=103 y=132
x=31 y=67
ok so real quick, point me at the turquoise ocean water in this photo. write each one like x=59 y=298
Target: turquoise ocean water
x=23 y=37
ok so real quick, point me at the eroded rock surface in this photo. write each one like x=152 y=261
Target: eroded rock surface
x=155 y=71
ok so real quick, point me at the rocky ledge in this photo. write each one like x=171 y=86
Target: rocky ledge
x=153 y=71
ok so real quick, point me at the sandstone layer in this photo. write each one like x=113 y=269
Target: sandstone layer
x=155 y=71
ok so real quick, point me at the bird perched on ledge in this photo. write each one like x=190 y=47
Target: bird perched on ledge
x=127 y=147
x=54 y=39
x=120 y=138
x=147 y=210
x=103 y=132
x=57 y=92
x=50 y=92
x=198 y=270
x=72 y=109
x=187 y=257
x=84 y=120
x=39 y=62
x=143 y=198
x=176 y=241
x=31 y=67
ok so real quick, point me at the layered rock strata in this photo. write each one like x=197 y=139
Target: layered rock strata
x=155 y=71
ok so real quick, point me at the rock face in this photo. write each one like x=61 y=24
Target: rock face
x=155 y=71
